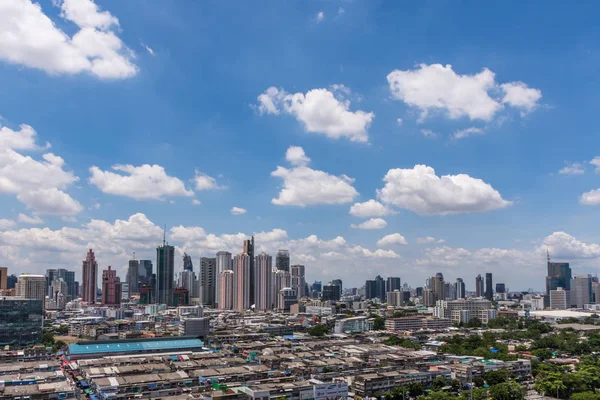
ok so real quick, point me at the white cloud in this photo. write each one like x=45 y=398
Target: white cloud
x=50 y=201
x=32 y=220
x=29 y=37
x=274 y=235
x=205 y=182
x=68 y=218
x=6 y=223
x=596 y=163
x=143 y=182
x=373 y=223
x=320 y=16
x=572 y=169
x=428 y=133
x=399 y=121
x=591 y=198
x=391 y=240
x=429 y=239
x=238 y=211
x=463 y=133
x=341 y=11
x=564 y=246
x=23 y=139
x=519 y=95
x=148 y=49
x=420 y=190
x=295 y=156
x=320 y=110
x=370 y=208
x=303 y=186
x=196 y=202
x=432 y=88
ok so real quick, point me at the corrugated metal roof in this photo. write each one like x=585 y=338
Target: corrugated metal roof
x=175 y=344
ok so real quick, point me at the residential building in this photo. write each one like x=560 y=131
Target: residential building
x=194 y=326
x=242 y=282
x=438 y=287
x=298 y=274
x=31 y=286
x=165 y=272
x=287 y=297
x=416 y=323
x=428 y=298
x=581 y=290
x=208 y=281
x=282 y=260
x=331 y=292
x=188 y=281
x=90 y=278
x=224 y=263
x=111 y=287
x=489 y=289
x=264 y=282
x=353 y=325
x=21 y=320
x=226 y=289
x=463 y=310
x=395 y=298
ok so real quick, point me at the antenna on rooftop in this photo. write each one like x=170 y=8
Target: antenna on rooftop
x=548 y=254
x=165 y=235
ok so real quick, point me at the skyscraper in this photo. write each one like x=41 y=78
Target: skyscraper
x=339 y=283
x=581 y=290
x=437 y=285
x=331 y=292
x=187 y=263
x=460 y=288
x=90 y=278
x=31 y=286
x=281 y=280
x=559 y=275
x=242 y=284
x=111 y=287
x=298 y=274
x=500 y=288
x=133 y=277
x=489 y=289
x=3 y=276
x=380 y=292
x=145 y=271
x=264 y=281
x=208 y=281
x=165 y=273
x=65 y=275
x=187 y=281
x=393 y=283
x=223 y=264
x=282 y=260
x=249 y=250
x=370 y=289
x=479 y=292
x=226 y=290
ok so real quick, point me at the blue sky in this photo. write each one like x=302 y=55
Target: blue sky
x=176 y=86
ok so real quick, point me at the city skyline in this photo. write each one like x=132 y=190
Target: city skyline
x=390 y=180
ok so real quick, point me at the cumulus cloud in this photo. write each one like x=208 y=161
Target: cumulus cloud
x=29 y=37
x=420 y=190
x=140 y=183
x=428 y=240
x=438 y=88
x=562 y=245
x=23 y=139
x=463 y=133
x=6 y=223
x=596 y=163
x=391 y=240
x=295 y=156
x=591 y=198
x=304 y=186
x=50 y=201
x=373 y=223
x=370 y=208
x=428 y=133
x=320 y=111
x=238 y=211
x=206 y=182
x=572 y=169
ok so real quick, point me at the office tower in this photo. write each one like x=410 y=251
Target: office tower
x=315 y=289
x=437 y=286
x=298 y=279
x=3 y=277
x=187 y=280
x=111 y=287
x=241 y=289
x=208 y=281
x=500 y=288
x=90 y=278
x=419 y=291
x=559 y=275
x=133 y=277
x=249 y=250
x=21 y=320
x=596 y=292
x=59 y=293
x=581 y=290
x=281 y=279
x=282 y=260
x=392 y=284
x=287 y=297
x=339 y=283
x=450 y=291
x=145 y=271
x=380 y=291
x=264 y=283
x=489 y=290
x=370 y=289
x=165 y=273
x=187 y=262
x=460 y=288
x=428 y=299
x=31 y=286
x=331 y=292
x=11 y=281
x=226 y=290
x=224 y=263
x=65 y=275
x=560 y=299
x=479 y=292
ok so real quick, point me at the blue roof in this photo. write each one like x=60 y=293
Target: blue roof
x=125 y=347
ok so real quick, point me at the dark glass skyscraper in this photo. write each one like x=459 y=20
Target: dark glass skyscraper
x=393 y=283
x=249 y=249
x=20 y=321
x=187 y=263
x=282 y=260
x=479 y=291
x=559 y=275
x=165 y=272
x=489 y=289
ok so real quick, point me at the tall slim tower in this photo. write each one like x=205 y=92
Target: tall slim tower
x=264 y=284
x=90 y=278
x=165 y=273
x=437 y=284
x=187 y=263
x=3 y=276
x=479 y=292
x=242 y=284
x=282 y=260
x=460 y=288
x=208 y=281
x=226 y=290
x=489 y=289
x=133 y=273
x=281 y=280
x=223 y=264
x=249 y=250
x=298 y=279
x=111 y=287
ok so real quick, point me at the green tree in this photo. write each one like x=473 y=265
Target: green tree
x=585 y=396
x=318 y=330
x=378 y=324
x=415 y=389
x=497 y=376
x=438 y=383
x=507 y=391
x=478 y=381
x=47 y=339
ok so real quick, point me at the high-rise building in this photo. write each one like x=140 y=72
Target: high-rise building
x=3 y=277
x=133 y=277
x=187 y=280
x=331 y=292
x=380 y=291
x=581 y=290
x=187 y=263
x=500 y=288
x=287 y=297
x=560 y=299
x=111 y=287
x=282 y=260
x=339 y=283
x=281 y=279
x=428 y=299
x=31 y=286
x=489 y=289
x=393 y=283
x=242 y=282
x=59 y=293
x=90 y=278
x=460 y=288
x=208 y=281
x=21 y=320
x=479 y=291
x=298 y=279
x=11 y=281
x=596 y=292
x=559 y=275
x=145 y=271
x=264 y=282
x=165 y=273
x=436 y=284
x=370 y=290
x=224 y=263
x=249 y=250
x=226 y=290
x=65 y=275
